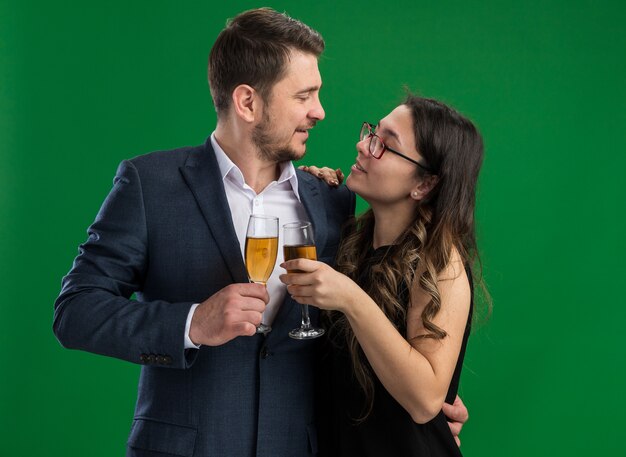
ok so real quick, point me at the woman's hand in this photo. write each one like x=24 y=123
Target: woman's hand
x=315 y=283
x=332 y=177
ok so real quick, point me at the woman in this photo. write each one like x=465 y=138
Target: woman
x=399 y=305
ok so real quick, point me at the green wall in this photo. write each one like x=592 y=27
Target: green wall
x=84 y=85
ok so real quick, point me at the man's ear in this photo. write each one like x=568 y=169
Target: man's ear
x=246 y=103
x=421 y=190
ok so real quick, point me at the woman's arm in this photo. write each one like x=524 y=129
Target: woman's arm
x=417 y=372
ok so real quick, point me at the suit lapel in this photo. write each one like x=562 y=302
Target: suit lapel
x=202 y=174
x=308 y=188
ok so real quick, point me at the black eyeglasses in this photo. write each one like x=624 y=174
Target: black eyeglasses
x=377 y=147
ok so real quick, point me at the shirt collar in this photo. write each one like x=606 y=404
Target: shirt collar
x=229 y=169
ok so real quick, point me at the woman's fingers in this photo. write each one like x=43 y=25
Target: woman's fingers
x=332 y=177
x=340 y=175
x=300 y=265
x=304 y=291
x=329 y=175
x=297 y=279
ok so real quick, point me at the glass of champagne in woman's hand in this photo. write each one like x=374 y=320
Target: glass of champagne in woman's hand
x=298 y=243
x=261 y=251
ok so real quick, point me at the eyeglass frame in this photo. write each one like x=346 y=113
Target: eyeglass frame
x=372 y=133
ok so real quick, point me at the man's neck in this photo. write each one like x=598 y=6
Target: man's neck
x=257 y=173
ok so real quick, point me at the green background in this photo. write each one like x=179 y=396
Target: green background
x=84 y=85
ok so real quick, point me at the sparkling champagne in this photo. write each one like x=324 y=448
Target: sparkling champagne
x=299 y=243
x=299 y=252
x=260 y=258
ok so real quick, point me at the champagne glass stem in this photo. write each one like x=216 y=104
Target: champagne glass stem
x=306 y=320
x=262 y=328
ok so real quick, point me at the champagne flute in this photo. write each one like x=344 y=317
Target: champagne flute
x=261 y=251
x=299 y=244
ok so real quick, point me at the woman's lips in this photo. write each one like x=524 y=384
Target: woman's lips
x=358 y=167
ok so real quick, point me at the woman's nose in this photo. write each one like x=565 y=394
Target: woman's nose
x=363 y=146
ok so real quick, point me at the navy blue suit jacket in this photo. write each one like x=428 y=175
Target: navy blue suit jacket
x=165 y=234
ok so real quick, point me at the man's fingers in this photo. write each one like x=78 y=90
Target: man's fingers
x=457 y=416
x=254 y=291
x=244 y=329
x=253 y=317
x=455 y=427
x=251 y=304
x=456 y=412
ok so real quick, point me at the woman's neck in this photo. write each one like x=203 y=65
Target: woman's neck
x=390 y=223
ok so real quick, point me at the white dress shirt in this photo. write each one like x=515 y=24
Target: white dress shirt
x=280 y=199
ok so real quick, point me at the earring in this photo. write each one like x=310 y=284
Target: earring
x=414 y=194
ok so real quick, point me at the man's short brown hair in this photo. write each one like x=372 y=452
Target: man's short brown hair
x=253 y=49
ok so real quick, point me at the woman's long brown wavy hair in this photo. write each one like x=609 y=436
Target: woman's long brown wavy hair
x=444 y=221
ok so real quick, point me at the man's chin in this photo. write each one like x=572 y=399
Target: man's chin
x=283 y=155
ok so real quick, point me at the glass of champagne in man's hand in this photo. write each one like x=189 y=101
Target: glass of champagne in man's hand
x=298 y=243
x=261 y=250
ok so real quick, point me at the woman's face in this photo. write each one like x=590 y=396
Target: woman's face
x=392 y=178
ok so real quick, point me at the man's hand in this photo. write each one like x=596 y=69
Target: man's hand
x=332 y=177
x=457 y=416
x=233 y=311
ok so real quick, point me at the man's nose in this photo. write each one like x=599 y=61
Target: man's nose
x=317 y=111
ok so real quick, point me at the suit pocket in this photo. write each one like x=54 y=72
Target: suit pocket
x=159 y=436
x=312 y=432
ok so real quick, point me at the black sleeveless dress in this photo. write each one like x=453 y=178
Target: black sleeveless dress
x=388 y=430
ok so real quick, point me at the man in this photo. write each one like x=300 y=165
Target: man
x=172 y=231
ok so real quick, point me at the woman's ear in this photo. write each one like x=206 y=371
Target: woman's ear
x=246 y=102
x=421 y=190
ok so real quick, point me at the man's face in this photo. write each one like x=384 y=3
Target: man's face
x=292 y=109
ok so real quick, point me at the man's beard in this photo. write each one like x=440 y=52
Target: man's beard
x=268 y=149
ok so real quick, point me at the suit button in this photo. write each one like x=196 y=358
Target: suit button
x=143 y=358
x=160 y=359
x=167 y=360
x=151 y=358
x=265 y=352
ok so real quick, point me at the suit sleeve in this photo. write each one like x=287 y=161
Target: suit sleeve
x=94 y=311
